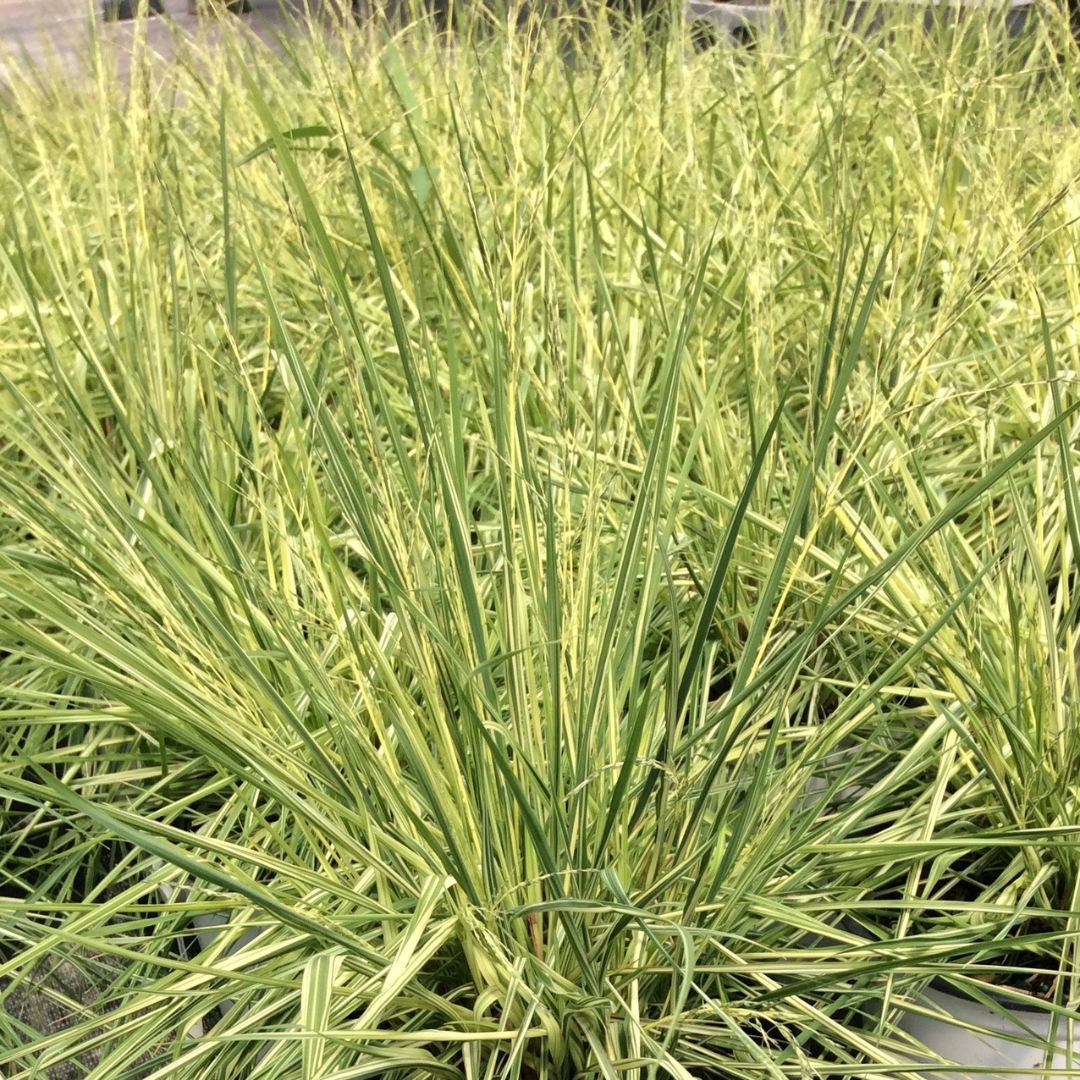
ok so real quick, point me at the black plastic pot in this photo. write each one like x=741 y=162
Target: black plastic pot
x=944 y=1024
x=996 y=1037
x=235 y=7
x=114 y=10
x=740 y=21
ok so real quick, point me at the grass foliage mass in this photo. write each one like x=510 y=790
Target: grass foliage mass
x=562 y=545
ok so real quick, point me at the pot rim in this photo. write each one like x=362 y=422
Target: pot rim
x=942 y=985
x=1011 y=1004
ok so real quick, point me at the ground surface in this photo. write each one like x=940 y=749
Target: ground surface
x=46 y=30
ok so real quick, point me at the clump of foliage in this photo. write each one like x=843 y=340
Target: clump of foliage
x=540 y=543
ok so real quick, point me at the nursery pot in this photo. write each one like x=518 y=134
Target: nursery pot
x=941 y=1023
x=237 y=7
x=206 y=929
x=940 y=1020
x=739 y=21
x=128 y=9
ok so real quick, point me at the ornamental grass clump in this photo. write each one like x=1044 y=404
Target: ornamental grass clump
x=513 y=528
